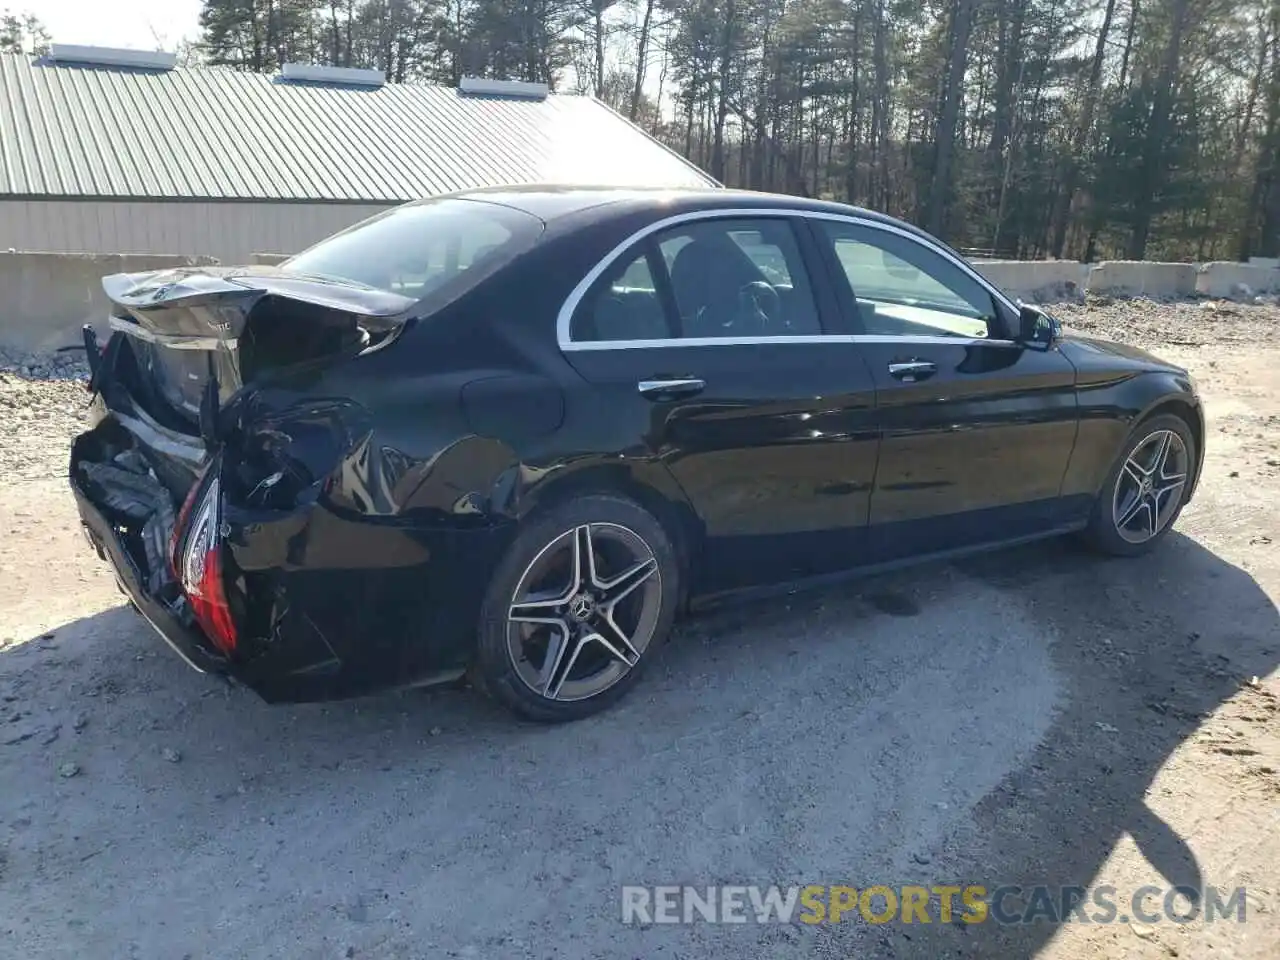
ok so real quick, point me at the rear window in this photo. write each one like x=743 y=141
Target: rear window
x=416 y=249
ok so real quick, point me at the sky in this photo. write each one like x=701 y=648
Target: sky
x=136 y=24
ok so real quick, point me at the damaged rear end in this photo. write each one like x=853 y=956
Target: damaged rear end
x=187 y=479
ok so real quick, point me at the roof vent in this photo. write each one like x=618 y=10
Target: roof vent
x=520 y=89
x=113 y=57
x=340 y=76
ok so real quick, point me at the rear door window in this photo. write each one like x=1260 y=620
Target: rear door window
x=624 y=304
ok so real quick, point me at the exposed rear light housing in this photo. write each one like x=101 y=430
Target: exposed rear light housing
x=179 y=526
x=199 y=566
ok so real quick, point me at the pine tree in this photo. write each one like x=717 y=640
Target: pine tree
x=23 y=33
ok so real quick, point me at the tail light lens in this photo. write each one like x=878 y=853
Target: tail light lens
x=199 y=568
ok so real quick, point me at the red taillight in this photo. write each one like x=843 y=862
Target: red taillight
x=200 y=571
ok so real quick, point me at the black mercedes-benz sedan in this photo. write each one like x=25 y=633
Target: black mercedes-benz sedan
x=518 y=432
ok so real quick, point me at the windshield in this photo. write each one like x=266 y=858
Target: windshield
x=415 y=249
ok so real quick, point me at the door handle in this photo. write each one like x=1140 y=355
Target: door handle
x=910 y=371
x=671 y=389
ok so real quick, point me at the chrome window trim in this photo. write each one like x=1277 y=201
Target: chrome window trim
x=756 y=341
x=700 y=342
x=962 y=341
x=564 y=318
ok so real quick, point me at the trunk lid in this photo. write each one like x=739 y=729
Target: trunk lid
x=198 y=334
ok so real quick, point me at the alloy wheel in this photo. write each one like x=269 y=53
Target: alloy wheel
x=1149 y=487
x=584 y=611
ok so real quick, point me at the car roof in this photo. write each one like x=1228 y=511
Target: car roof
x=552 y=202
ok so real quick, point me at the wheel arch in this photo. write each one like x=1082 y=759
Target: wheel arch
x=1186 y=407
x=650 y=485
x=1111 y=408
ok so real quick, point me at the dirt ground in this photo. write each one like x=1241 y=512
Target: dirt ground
x=1037 y=716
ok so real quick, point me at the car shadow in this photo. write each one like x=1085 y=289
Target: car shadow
x=1142 y=650
x=1153 y=647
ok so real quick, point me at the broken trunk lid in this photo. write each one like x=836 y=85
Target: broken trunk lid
x=229 y=325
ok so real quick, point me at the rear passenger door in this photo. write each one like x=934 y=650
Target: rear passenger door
x=704 y=346
x=977 y=428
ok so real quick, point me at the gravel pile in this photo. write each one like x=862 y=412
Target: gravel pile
x=1185 y=323
x=64 y=365
x=39 y=417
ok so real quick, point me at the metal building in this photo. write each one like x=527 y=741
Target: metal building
x=107 y=151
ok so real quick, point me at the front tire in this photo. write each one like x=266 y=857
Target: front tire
x=581 y=601
x=1146 y=488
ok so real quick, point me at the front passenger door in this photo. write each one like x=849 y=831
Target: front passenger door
x=977 y=430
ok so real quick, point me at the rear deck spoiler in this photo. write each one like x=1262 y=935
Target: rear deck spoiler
x=210 y=331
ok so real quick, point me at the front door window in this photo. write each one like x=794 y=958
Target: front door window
x=902 y=288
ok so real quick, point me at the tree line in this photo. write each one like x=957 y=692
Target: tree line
x=22 y=33
x=1063 y=128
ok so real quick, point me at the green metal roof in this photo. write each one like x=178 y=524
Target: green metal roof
x=69 y=130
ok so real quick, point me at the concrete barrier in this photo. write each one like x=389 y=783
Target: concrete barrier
x=1036 y=279
x=46 y=297
x=1137 y=278
x=269 y=259
x=1238 y=280
x=1048 y=280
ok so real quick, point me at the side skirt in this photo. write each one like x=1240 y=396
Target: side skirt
x=729 y=597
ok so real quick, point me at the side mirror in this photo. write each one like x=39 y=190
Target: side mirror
x=1036 y=328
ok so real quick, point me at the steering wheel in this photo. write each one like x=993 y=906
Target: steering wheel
x=759 y=309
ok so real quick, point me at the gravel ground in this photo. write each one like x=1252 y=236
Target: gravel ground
x=1186 y=323
x=38 y=416
x=1033 y=716
x=42 y=403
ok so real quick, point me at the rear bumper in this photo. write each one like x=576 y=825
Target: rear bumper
x=339 y=607
x=346 y=606
x=327 y=599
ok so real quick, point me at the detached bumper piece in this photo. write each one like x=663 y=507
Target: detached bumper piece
x=126 y=487
x=128 y=518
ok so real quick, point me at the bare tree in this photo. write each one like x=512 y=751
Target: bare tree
x=948 y=116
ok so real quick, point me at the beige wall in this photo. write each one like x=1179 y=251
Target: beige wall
x=45 y=297
x=231 y=232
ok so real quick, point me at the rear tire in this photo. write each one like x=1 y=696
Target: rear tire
x=582 y=600
x=1145 y=490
